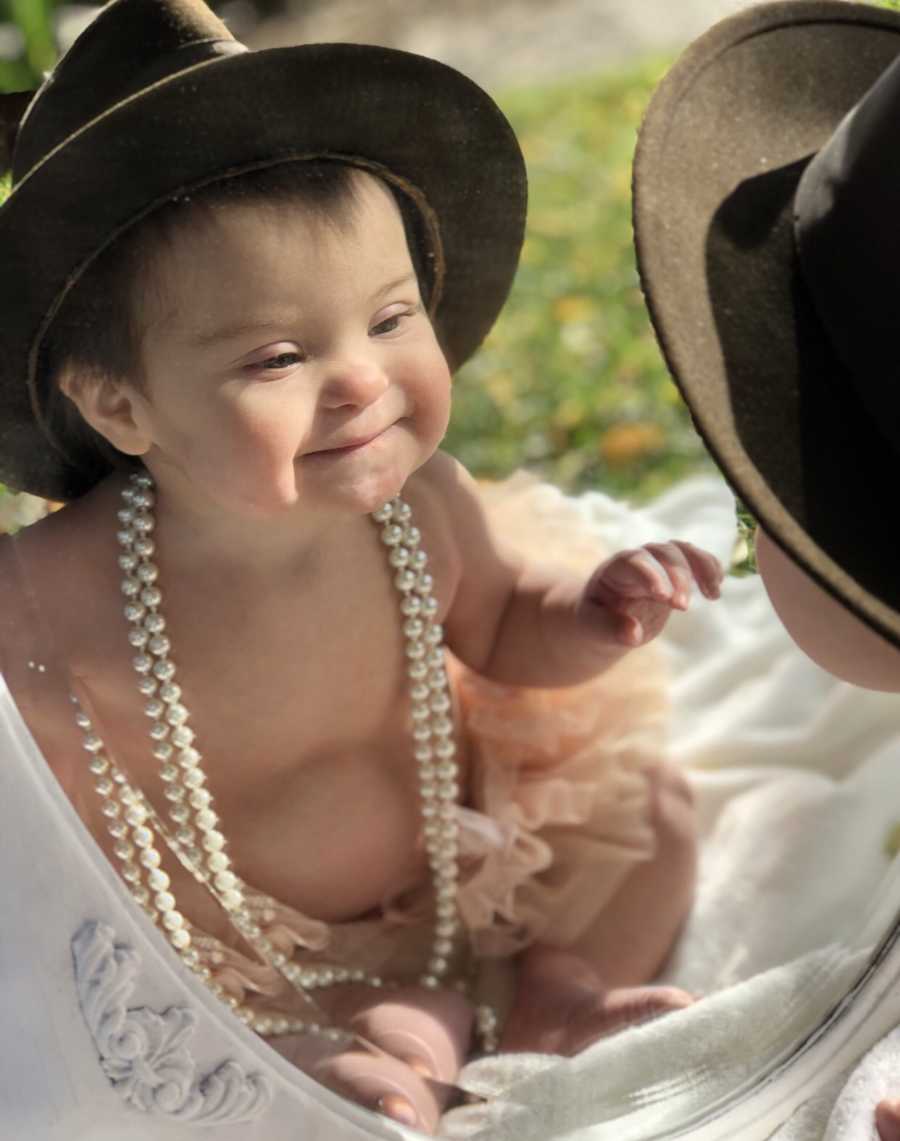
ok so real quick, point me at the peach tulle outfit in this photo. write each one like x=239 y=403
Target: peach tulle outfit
x=556 y=812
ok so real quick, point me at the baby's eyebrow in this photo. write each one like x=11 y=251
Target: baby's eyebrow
x=205 y=337
x=406 y=279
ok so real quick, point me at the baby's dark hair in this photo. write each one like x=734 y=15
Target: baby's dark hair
x=97 y=330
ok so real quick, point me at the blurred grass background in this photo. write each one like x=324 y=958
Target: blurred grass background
x=570 y=382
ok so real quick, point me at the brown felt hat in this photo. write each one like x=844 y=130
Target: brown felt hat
x=156 y=98
x=767 y=225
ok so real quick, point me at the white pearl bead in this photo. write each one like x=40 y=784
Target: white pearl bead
x=144 y=547
x=231 y=900
x=405 y=579
x=158 y=880
x=180 y=938
x=164 y=900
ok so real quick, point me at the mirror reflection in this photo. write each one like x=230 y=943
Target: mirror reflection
x=490 y=801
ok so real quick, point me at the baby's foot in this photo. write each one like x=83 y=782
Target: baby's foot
x=887 y=1119
x=562 y=1006
x=424 y=1036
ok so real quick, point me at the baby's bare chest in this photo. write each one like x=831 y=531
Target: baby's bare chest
x=300 y=707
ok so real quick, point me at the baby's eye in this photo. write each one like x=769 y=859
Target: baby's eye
x=281 y=360
x=391 y=323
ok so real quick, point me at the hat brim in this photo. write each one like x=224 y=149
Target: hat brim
x=724 y=143
x=423 y=122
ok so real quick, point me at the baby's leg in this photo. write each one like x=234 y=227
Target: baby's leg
x=425 y=1035
x=566 y=998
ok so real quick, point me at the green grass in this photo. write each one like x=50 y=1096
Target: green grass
x=570 y=382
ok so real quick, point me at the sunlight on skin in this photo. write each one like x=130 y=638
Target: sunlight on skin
x=824 y=629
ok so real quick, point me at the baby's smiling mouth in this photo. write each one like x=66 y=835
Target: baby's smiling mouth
x=353 y=445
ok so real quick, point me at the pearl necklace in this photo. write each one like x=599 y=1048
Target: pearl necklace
x=194 y=837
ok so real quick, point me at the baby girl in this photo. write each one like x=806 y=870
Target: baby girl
x=380 y=794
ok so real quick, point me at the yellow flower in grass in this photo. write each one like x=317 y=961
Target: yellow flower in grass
x=623 y=444
x=573 y=308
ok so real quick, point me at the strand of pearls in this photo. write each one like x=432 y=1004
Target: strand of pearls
x=196 y=840
x=432 y=724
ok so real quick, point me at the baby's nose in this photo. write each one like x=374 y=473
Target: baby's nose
x=356 y=380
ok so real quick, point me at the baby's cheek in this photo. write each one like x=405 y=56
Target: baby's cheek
x=825 y=630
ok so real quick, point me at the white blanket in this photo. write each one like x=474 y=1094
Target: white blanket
x=797 y=779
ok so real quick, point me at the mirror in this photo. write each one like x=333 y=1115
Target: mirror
x=789 y=945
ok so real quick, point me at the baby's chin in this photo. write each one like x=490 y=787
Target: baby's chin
x=825 y=630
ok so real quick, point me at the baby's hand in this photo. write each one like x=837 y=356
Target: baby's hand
x=638 y=589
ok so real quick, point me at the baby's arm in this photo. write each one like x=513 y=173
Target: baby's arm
x=524 y=623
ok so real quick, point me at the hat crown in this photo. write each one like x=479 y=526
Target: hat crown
x=129 y=46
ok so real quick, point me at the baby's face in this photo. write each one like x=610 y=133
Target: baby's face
x=835 y=640
x=289 y=361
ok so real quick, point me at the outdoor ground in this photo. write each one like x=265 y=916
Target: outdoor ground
x=505 y=43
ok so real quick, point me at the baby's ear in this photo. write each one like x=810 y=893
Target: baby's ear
x=112 y=408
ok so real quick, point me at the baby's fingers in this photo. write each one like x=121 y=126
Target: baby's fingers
x=675 y=565
x=633 y=575
x=705 y=568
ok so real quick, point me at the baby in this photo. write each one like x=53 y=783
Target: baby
x=259 y=368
